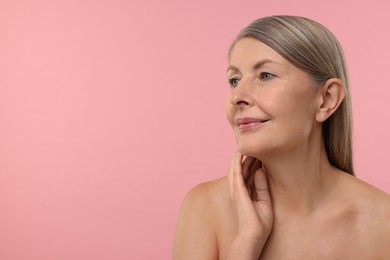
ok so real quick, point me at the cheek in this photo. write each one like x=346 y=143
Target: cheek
x=299 y=118
x=230 y=112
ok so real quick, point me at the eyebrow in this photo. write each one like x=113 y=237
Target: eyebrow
x=255 y=67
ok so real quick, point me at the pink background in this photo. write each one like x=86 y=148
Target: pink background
x=111 y=111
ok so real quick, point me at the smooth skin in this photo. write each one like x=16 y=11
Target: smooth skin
x=282 y=199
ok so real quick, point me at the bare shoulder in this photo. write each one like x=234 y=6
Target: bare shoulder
x=369 y=200
x=373 y=208
x=210 y=188
x=369 y=197
x=196 y=229
x=207 y=195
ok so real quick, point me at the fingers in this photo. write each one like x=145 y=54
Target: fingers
x=247 y=166
x=235 y=174
x=256 y=165
x=241 y=175
x=250 y=198
x=263 y=203
x=250 y=182
x=261 y=186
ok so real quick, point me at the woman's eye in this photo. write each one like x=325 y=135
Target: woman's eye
x=266 y=76
x=233 y=82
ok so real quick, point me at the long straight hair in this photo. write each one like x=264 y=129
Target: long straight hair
x=312 y=48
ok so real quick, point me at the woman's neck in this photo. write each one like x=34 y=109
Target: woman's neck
x=300 y=181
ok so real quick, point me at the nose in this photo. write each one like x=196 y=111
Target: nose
x=241 y=96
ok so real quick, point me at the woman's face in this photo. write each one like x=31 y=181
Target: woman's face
x=272 y=104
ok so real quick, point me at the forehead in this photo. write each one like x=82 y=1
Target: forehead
x=249 y=51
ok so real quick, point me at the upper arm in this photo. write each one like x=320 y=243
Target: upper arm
x=195 y=233
x=382 y=239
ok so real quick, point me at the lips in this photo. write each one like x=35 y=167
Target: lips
x=248 y=123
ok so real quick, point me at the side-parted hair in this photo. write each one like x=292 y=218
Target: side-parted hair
x=311 y=47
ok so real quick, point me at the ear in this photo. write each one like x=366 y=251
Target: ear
x=332 y=94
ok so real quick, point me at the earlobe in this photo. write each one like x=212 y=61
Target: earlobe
x=332 y=94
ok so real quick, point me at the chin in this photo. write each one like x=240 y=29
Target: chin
x=252 y=150
x=258 y=148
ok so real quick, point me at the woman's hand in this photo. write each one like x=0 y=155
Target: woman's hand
x=252 y=202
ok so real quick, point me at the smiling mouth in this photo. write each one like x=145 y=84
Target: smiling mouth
x=249 y=123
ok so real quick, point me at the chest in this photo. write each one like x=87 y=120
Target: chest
x=289 y=241
x=320 y=243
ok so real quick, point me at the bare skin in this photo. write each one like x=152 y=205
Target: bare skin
x=283 y=199
x=355 y=226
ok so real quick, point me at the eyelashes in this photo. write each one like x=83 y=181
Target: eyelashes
x=264 y=76
x=233 y=82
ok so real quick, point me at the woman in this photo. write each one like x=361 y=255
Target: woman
x=290 y=192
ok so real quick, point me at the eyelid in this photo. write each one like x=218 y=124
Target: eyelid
x=230 y=80
x=266 y=73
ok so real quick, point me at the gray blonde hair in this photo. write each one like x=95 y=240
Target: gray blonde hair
x=311 y=47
